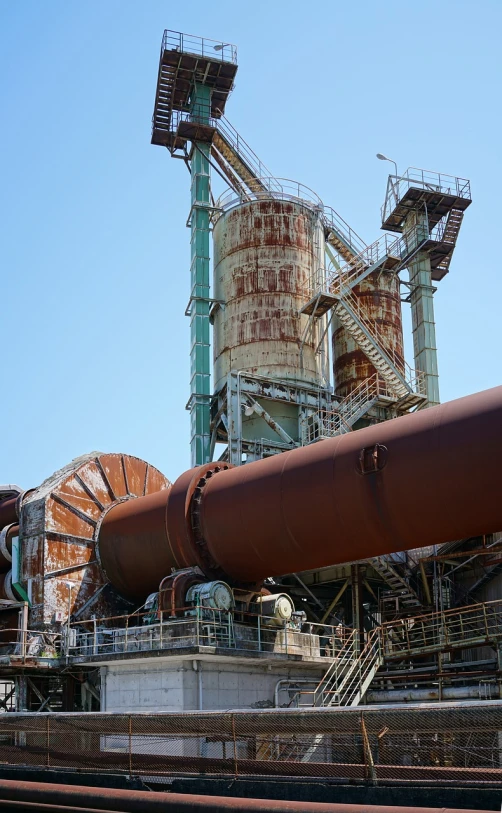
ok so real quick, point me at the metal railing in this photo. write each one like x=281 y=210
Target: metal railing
x=413 y=379
x=273 y=189
x=199 y=46
x=329 y=423
x=335 y=223
x=427 y=180
x=244 y=152
x=27 y=643
x=400 y=249
x=202 y=627
x=466 y=627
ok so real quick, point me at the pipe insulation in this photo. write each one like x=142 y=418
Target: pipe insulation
x=421 y=479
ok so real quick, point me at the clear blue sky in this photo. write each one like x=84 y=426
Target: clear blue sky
x=94 y=249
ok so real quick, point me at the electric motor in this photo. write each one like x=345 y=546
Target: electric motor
x=277 y=608
x=216 y=595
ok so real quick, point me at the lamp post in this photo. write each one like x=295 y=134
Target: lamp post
x=384 y=158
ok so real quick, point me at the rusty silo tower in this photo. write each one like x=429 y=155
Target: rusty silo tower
x=287 y=274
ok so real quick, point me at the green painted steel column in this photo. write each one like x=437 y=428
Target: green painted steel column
x=422 y=308
x=200 y=362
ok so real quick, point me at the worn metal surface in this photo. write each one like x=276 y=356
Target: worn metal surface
x=312 y=507
x=6 y=593
x=378 y=294
x=8 y=511
x=435 y=478
x=7 y=534
x=130 y=801
x=59 y=524
x=123 y=525
x=264 y=254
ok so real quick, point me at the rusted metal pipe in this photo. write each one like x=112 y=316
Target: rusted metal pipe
x=8 y=511
x=6 y=592
x=138 y=801
x=7 y=534
x=422 y=479
x=133 y=548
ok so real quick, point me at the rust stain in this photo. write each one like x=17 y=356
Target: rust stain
x=66 y=514
x=264 y=256
x=379 y=296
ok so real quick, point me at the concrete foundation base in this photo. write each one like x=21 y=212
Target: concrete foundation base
x=179 y=684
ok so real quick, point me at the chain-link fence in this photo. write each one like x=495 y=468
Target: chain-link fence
x=439 y=742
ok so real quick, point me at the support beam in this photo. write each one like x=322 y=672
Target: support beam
x=335 y=601
x=422 y=306
x=200 y=363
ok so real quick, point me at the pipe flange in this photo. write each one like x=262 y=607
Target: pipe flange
x=210 y=565
x=183 y=526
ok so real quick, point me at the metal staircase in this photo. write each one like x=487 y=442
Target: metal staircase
x=449 y=236
x=403 y=382
x=232 y=152
x=349 y=677
x=400 y=588
x=341 y=236
x=328 y=424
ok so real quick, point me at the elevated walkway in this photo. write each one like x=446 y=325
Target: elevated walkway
x=349 y=675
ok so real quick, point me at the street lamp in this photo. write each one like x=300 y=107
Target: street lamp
x=221 y=47
x=384 y=158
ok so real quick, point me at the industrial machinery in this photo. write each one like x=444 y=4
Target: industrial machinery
x=284 y=551
x=286 y=267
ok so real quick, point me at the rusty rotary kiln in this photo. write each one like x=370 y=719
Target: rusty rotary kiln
x=109 y=528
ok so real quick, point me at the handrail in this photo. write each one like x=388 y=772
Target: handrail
x=467 y=626
x=244 y=151
x=428 y=180
x=335 y=223
x=199 y=46
x=414 y=380
x=272 y=189
x=329 y=423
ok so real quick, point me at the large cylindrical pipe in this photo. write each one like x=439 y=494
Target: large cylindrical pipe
x=133 y=548
x=425 y=695
x=143 y=540
x=140 y=801
x=421 y=479
x=8 y=511
x=437 y=478
x=6 y=592
x=7 y=534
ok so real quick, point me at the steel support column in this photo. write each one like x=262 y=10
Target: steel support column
x=422 y=310
x=200 y=363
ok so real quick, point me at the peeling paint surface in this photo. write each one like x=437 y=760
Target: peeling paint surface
x=59 y=525
x=264 y=255
x=379 y=296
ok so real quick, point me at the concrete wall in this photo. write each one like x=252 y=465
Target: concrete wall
x=173 y=684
